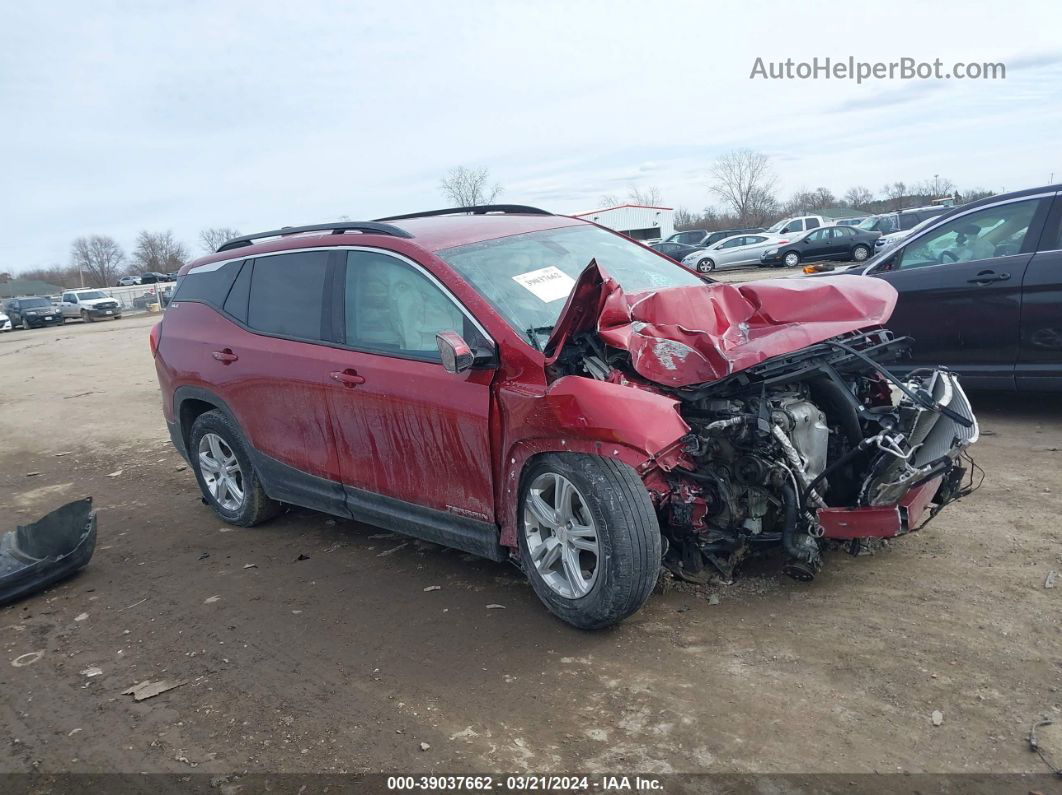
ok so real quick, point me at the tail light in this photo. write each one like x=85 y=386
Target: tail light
x=153 y=338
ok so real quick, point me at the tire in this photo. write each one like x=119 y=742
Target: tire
x=791 y=259
x=26 y=324
x=860 y=253
x=705 y=265
x=614 y=504
x=117 y=317
x=255 y=506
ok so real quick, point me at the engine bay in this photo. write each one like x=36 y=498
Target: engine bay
x=823 y=442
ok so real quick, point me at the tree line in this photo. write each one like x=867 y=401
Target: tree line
x=99 y=261
x=745 y=185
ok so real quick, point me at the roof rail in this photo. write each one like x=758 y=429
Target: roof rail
x=336 y=228
x=478 y=209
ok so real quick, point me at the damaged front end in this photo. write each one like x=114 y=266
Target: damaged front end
x=798 y=431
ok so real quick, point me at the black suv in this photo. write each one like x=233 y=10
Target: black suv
x=981 y=290
x=32 y=313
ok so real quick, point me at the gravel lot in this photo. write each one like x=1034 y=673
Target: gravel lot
x=313 y=644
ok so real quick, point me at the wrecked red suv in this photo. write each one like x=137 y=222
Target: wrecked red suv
x=535 y=388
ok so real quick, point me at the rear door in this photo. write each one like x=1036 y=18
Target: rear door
x=1040 y=351
x=960 y=289
x=407 y=430
x=273 y=372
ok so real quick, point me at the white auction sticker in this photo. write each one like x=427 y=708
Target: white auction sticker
x=548 y=284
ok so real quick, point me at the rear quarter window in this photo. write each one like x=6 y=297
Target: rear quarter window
x=208 y=284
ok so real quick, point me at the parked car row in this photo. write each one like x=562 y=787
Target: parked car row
x=151 y=277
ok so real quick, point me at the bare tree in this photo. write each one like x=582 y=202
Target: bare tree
x=468 y=187
x=896 y=194
x=744 y=181
x=858 y=197
x=212 y=239
x=97 y=258
x=159 y=251
x=973 y=194
x=649 y=196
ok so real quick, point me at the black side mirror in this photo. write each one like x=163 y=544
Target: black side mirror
x=455 y=353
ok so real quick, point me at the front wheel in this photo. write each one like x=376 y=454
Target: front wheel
x=589 y=539
x=224 y=472
x=705 y=266
x=26 y=324
x=791 y=259
x=860 y=253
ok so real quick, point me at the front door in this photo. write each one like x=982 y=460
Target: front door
x=960 y=290
x=1040 y=355
x=406 y=428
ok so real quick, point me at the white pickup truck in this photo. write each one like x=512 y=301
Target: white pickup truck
x=89 y=305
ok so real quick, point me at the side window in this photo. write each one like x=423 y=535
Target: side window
x=733 y=243
x=287 y=294
x=749 y=241
x=812 y=223
x=70 y=298
x=818 y=237
x=392 y=307
x=993 y=232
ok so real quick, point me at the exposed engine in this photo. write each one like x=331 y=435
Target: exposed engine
x=778 y=453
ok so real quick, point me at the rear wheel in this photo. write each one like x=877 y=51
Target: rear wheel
x=224 y=472
x=791 y=259
x=860 y=252
x=705 y=266
x=589 y=538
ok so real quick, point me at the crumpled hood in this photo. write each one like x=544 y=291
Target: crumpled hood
x=680 y=336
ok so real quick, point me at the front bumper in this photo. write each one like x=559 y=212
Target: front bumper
x=39 y=321
x=934 y=473
x=104 y=311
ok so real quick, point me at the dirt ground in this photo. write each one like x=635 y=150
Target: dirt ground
x=313 y=644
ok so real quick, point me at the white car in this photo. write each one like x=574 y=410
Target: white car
x=730 y=252
x=798 y=223
x=89 y=305
x=891 y=239
x=128 y=281
x=5 y=322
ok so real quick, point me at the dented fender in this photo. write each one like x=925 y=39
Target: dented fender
x=579 y=415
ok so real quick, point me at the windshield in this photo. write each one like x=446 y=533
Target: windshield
x=33 y=303
x=528 y=277
x=90 y=294
x=778 y=226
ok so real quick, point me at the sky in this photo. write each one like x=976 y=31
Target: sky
x=122 y=116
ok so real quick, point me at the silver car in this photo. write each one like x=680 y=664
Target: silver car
x=730 y=252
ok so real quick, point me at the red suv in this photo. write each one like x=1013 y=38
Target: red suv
x=536 y=388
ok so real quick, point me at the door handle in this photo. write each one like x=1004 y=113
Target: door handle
x=987 y=277
x=347 y=378
x=225 y=356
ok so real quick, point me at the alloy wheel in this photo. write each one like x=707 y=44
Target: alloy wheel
x=792 y=259
x=561 y=535
x=221 y=471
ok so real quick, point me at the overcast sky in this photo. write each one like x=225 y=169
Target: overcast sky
x=121 y=116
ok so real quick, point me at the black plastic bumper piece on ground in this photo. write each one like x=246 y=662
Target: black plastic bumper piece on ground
x=37 y=555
